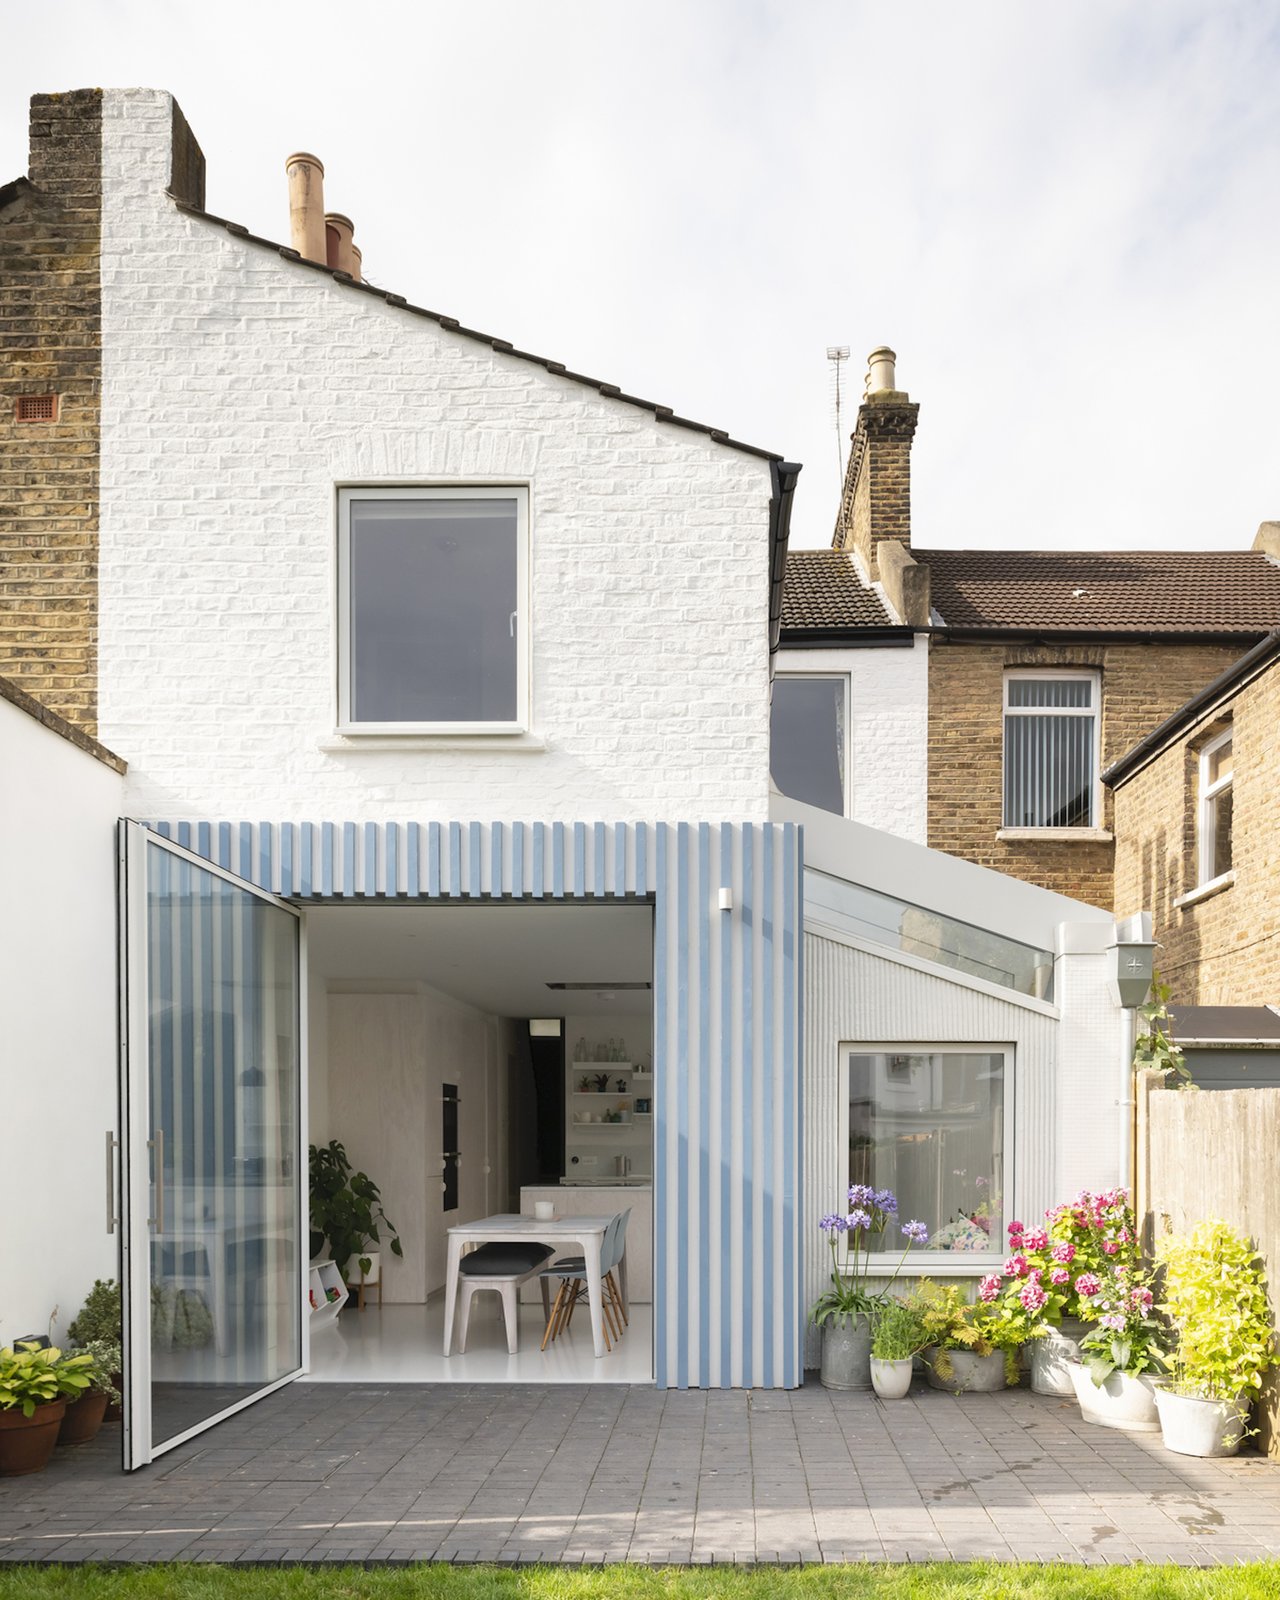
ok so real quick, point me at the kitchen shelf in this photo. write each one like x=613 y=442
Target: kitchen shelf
x=599 y=1094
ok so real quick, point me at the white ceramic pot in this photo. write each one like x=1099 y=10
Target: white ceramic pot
x=891 y=1379
x=1052 y=1355
x=969 y=1374
x=846 y=1354
x=1194 y=1427
x=1122 y=1400
x=374 y=1258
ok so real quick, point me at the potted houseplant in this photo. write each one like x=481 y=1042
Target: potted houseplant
x=1119 y=1356
x=1046 y=1264
x=844 y=1311
x=897 y=1337
x=86 y=1411
x=1216 y=1303
x=970 y=1346
x=100 y=1323
x=346 y=1208
x=35 y=1385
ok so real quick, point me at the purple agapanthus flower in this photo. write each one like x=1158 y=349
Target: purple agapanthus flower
x=833 y=1224
x=861 y=1195
x=858 y=1218
x=916 y=1232
x=885 y=1200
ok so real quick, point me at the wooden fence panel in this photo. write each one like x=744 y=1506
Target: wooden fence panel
x=1212 y=1154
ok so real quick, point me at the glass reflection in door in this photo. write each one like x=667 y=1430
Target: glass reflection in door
x=223 y=1083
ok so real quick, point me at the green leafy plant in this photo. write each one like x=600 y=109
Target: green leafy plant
x=346 y=1207
x=897 y=1332
x=107 y=1360
x=1126 y=1336
x=32 y=1375
x=1154 y=1047
x=1216 y=1301
x=952 y=1322
x=100 y=1317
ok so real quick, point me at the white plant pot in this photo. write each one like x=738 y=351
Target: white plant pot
x=970 y=1374
x=1052 y=1355
x=1123 y=1400
x=1194 y=1427
x=374 y=1258
x=846 y=1354
x=891 y=1379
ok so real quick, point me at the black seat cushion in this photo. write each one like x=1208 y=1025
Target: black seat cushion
x=499 y=1260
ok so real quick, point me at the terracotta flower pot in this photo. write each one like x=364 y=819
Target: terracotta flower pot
x=83 y=1417
x=26 y=1443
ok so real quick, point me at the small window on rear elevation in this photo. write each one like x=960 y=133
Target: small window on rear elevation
x=1215 y=808
x=1050 y=750
x=807 y=740
x=433 y=616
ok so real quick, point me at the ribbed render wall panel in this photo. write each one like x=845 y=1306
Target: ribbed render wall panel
x=728 y=1308
x=852 y=996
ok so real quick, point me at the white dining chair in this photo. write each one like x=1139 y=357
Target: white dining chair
x=573 y=1285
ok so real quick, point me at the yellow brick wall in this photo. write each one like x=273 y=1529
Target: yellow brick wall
x=1224 y=950
x=1141 y=685
x=50 y=336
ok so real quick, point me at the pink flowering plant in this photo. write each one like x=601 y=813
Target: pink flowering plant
x=854 y=1235
x=1055 y=1270
x=1126 y=1336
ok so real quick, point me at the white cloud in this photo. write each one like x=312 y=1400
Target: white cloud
x=1063 y=220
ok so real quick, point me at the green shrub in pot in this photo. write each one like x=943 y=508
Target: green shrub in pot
x=1216 y=1302
x=346 y=1206
x=32 y=1376
x=898 y=1332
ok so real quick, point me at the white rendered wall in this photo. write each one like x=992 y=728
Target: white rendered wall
x=389 y=1055
x=240 y=389
x=888 y=741
x=58 y=808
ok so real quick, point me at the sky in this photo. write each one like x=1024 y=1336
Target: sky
x=1065 y=220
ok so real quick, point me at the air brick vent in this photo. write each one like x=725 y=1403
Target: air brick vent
x=37 y=408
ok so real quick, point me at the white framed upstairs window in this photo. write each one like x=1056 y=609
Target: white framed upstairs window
x=433 y=610
x=1051 y=749
x=1215 y=808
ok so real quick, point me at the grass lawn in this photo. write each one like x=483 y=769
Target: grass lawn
x=967 y=1581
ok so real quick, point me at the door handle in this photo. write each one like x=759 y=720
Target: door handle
x=112 y=1147
x=157 y=1146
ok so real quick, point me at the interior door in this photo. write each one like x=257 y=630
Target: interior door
x=210 y=1085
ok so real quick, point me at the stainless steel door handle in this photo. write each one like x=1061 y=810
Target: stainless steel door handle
x=112 y=1147
x=157 y=1146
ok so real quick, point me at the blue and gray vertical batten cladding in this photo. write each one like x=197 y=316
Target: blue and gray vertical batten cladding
x=727 y=1033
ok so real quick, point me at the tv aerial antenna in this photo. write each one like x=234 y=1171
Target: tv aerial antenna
x=837 y=355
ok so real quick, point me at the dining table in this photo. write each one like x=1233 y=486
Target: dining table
x=509 y=1228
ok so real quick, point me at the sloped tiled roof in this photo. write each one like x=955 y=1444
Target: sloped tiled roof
x=824 y=590
x=1116 y=591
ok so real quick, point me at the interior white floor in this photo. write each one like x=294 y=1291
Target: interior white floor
x=402 y=1344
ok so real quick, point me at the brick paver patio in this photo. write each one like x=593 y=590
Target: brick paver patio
x=330 y=1473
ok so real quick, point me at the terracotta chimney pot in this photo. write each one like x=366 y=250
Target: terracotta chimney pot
x=343 y=254
x=306 y=206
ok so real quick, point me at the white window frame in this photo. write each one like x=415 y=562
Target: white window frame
x=519 y=493
x=926 y=1262
x=846 y=679
x=1206 y=814
x=1092 y=828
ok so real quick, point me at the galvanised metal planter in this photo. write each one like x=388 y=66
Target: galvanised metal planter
x=1190 y=1426
x=846 y=1353
x=1122 y=1400
x=968 y=1374
x=1052 y=1355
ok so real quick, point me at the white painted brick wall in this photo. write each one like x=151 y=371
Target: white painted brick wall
x=888 y=732
x=238 y=389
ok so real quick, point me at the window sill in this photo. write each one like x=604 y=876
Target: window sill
x=1205 y=891
x=369 y=743
x=1085 y=835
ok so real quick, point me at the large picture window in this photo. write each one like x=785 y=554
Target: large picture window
x=432 y=611
x=808 y=738
x=934 y=1124
x=1050 y=750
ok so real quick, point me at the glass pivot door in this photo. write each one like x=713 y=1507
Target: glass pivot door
x=210 y=1104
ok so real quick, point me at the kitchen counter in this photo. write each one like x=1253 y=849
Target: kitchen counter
x=600 y=1198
